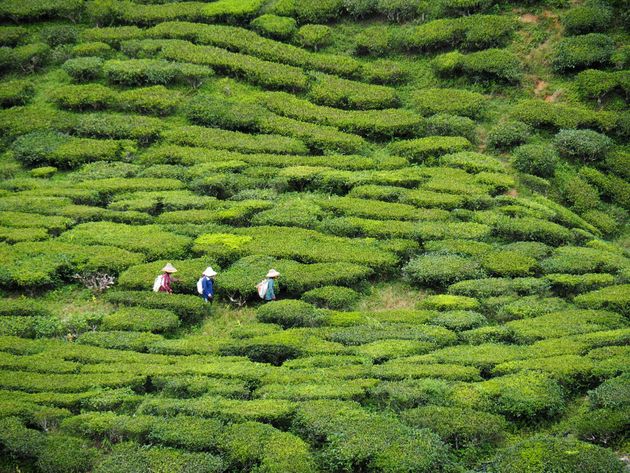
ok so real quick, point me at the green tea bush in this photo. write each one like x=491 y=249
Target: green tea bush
x=612 y=298
x=120 y=340
x=449 y=302
x=572 y=371
x=541 y=114
x=314 y=36
x=540 y=160
x=611 y=394
x=188 y=308
x=452 y=101
x=332 y=297
x=580 y=52
x=489 y=64
x=277 y=27
x=84 y=69
x=592 y=16
x=15 y=92
x=572 y=284
x=26 y=59
x=420 y=149
x=450 y=125
x=138 y=72
x=499 y=287
x=529 y=306
x=59 y=34
x=355 y=437
x=611 y=186
x=141 y=320
x=564 y=323
x=259 y=72
x=150 y=240
x=440 y=270
x=361 y=334
x=67 y=383
x=92 y=49
x=582 y=260
x=584 y=145
x=82 y=97
x=12 y=35
x=596 y=84
x=128 y=456
x=305 y=11
x=459 y=427
x=459 y=320
x=507 y=134
x=532 y=229
x=113 y=126
x=563 y=455
x=253 y=443
x=509 y=263
x=336 y=92
x=290 y=313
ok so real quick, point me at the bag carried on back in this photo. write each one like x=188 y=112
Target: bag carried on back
x=262 y=287
x=200 y=285
x=157 y=284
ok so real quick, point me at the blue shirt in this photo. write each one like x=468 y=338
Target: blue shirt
x=207 y=288
x=270 y=295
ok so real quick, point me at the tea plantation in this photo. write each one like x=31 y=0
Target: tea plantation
x=443 y=186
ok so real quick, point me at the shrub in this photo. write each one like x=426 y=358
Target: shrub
x=15 y=92
x=148 y=239
x=188 y=308
x=563 y=455
x=592 y=16
x=585 y=145
x=459 y=427
x=490 y=64
x=138 y=72
x=450 y=125
x=509 y=263
x=59 y=34
x=459 y=320
x=596 y=84
x=611 y=394
x=581 y=260
x=92 y=49
x=335 y=92
x=290 y=313
x=278 y=27
x=540 y=160
x=355 y=437
x=307 y=12
x=12 y=35
x=141 y=320
x=84 y=69
x=449 y=302
x=508 y=134
x=452 y=101
x=332 y=297
x=423 y=148
x=532 y=229
x=612 y=298
x=27 y=58
x=580 y=52
x=65 y=454
x=440 y=270
x=314 y=36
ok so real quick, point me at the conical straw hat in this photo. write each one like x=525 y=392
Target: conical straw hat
x=209 y=272
x=169 y=268
x=273 y=273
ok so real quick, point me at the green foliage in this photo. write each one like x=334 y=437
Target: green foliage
x=335 y=92
x=137 y=72
x=612 y=298
x=580 y=52
x=141 y=320
x=454 y=101
x=187 y=307
x=305 y=11
x=581 y=260
x=592 y=16
x=12 y=35
x=420 y=149
x=540 y=160
x=290 y=313
x=459 y=427
x=449 y=302
x=332 y=297
x=277 y=27
x=84 y=69
x=584 y=145
x=545 y=453
x=508 y=134
x=489 y=65
x=509 y=263
x=441 y=270
x=15 y=92
x=26 y=59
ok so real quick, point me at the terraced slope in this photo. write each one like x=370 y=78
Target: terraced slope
x=442 y=185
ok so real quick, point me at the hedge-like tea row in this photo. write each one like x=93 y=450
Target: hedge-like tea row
x=26 y=59
x=248 y=42
x=155 y=100
x=33 y=10
x=342 y=93
x=49 y=148
x=233 y=140
x=379 y=124
x=257 y=71
x=490 y=64
x=472 y=32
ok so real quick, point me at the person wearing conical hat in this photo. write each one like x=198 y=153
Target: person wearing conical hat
x=166 y=278
x=205 y=285
x=272 y=275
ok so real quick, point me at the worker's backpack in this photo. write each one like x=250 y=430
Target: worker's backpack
x=200 y=285
x=157 y=284
x=262 y=287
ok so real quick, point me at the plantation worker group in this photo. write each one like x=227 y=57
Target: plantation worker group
x=206 y=285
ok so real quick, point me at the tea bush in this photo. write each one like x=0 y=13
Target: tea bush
x=290 y=313
x=335 y=92
x=592 y=16
x=584 y=145
x=562 y=455
x=332 y=297
x=277 y=27
x=490 y=64
x=612 y=298
x=314 y=36
x=141 y=320
x=579 y=52
x=189 y=308
x=453 y=101
x=441 y=270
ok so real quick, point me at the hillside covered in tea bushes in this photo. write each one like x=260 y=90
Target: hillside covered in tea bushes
x=442 y=184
